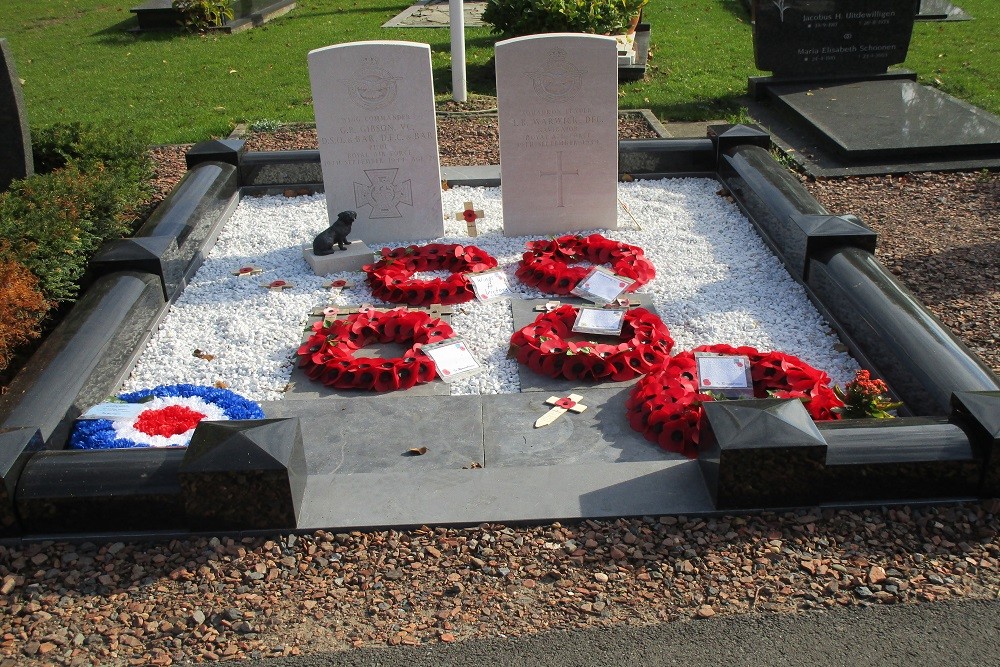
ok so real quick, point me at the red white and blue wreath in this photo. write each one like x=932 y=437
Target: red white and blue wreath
x=171 y=415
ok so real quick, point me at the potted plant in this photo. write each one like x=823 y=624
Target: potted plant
x=514 y=18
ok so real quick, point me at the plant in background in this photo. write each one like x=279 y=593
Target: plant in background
x=264 y=125
x=514 y=18
x=200 y=15
x=864 y=397
x=22 y=305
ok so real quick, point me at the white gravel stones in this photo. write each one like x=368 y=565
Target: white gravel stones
x=716 y=282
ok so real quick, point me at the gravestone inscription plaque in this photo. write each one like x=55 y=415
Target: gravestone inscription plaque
x=15 y=139
x=374 y=104
x=557 y=97
x=831 y=37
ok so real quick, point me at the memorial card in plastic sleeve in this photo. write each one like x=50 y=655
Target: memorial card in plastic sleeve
x=728 y=375
x=601 y=285
x=489 y=285
x=607 y=321
x=453 y=359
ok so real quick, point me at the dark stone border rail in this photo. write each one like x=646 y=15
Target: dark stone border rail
x=756 y=454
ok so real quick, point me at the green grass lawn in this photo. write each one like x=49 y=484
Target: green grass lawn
x=78 y=63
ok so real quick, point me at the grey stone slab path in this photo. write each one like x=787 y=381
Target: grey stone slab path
x=485 y=461
x=375 y=435
x=600 y=434
x=945 y=634
x=507 y=495
x=435 y=14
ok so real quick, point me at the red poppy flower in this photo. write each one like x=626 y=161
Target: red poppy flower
x=544 y=347
x=391 y=278
x=547 y=264
x=327 y=356
x=666 y=407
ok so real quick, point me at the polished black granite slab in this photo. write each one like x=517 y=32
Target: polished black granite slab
x=81 y=491
x=16 y=447
x=244 y=474
x=817 y=37
x=760 y=453
x=86 y=357
x=814 y=155
x=887 y=459
x=866 y=120
x=979 y=412
x=15 y=137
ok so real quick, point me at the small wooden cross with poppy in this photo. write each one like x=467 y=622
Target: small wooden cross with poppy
x=470 y=214
x=336 y=286
x=277 y=285
x=560 y=406
x=249 y=270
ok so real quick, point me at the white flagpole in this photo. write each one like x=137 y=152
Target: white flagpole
x=456 y=18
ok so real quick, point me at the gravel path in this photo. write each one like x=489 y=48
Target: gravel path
x=206 y=599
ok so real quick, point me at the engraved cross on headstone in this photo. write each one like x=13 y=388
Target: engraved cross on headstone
x=559 y=173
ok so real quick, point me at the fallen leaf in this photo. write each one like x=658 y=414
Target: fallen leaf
x=221 y=384
x=203 y=355
x=445 y=186
x=417 y=451
x=473 y=466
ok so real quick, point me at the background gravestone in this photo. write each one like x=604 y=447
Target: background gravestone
x=15 y=139
x=557 y=97
x=374 y=105
x=810 y=38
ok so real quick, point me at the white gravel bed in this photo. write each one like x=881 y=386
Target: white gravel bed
x=716 y=282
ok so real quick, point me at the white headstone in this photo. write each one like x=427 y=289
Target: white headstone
x=558 y=104
x=374 y=105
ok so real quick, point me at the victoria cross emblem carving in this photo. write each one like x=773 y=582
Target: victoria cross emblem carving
x=383 y=193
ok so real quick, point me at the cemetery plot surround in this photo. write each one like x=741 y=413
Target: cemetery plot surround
x=557 y=98
x=374 y=104
x=951 y=450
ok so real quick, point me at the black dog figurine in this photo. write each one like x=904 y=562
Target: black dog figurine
x=335 y=234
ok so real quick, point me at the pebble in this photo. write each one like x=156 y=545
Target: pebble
x=692 y=236
x=361 y=585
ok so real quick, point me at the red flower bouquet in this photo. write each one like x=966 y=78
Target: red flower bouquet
x=391 y=278
x=548 y=264
x=542 y=347
x=328 y=355
x=665 y=405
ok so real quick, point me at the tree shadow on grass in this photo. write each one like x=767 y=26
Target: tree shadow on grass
x=738 y=8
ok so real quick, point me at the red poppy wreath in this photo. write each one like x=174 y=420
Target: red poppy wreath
x=666 y=406
x=542 y=347
x=328 y=355
x=391 y=277
x=548 y=264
